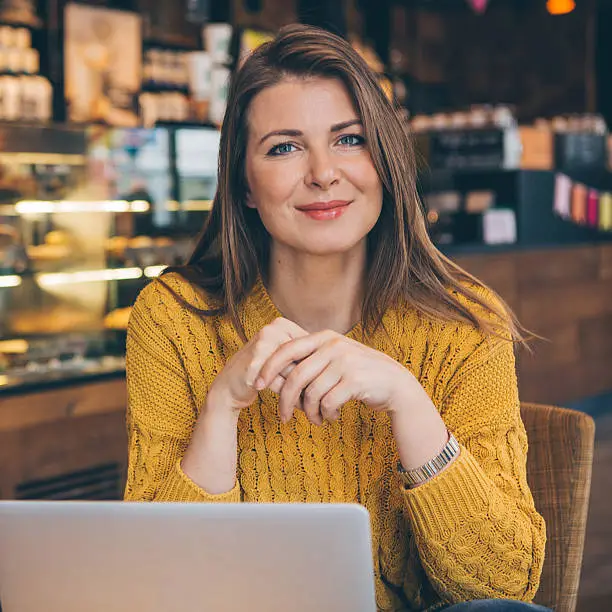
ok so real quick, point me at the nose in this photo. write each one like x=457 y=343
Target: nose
x=322 y=171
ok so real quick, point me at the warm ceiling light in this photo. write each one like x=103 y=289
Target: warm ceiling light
x=10 y=280
x=38 y=207
x=50 y=279
x=560 y=7
x=14 y=347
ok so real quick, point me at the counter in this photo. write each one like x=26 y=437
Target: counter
x=565 y=295
x=83 y=372
x=67 y=442
x=64 y=437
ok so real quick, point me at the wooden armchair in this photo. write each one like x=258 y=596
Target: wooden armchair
x=559 y=467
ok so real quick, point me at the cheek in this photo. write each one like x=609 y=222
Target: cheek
x=365 y=178
x=270 y=184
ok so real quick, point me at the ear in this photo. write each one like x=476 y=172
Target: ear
x=249 y=200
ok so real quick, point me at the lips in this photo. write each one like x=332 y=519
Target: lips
x=324 y=211
x=331 y=204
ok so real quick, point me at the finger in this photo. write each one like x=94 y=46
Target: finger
x=331 y=403
x=289 y=327
x=285 y=373
x=261 y=352
x=277 y=387
x=277 y=384
x=293 y=351
x=316 y=390
x=299 y=379
x=267 y=341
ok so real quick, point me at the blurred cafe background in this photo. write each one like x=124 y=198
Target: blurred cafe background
x=109 y=129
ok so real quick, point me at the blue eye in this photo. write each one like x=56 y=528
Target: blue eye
x=282 y=149
x=351 y=140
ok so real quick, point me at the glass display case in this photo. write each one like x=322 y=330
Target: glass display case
x=87 y=218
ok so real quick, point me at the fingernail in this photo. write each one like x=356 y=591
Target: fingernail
x=260 y=383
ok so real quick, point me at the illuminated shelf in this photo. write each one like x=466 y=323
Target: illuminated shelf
x=44 y=207
x=10 y=280
x=54 y=279
x=38 y=207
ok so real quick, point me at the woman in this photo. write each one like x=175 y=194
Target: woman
x=317 y=347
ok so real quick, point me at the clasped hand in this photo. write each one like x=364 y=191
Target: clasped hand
x=317 y=373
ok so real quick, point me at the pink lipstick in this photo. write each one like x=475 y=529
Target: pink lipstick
x=322 y=211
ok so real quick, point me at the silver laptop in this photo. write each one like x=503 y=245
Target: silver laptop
x=166 y=557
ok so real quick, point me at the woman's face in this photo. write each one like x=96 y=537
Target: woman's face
x=308 y=168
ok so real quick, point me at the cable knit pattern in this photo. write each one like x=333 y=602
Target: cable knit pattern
x=471 y=532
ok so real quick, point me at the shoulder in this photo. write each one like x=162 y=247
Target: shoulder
x=476 y=345
x=483 y=302
x=164 y=303
x=478 y=300
x=448 y=344
x=172 y=293
x=173 y=290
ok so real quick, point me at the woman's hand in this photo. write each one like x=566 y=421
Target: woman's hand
x=233 y=387
x=210 y=458
x=331 y=370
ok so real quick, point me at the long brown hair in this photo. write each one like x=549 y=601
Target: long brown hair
x=403 y=264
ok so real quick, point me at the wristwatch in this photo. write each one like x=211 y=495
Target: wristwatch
x=412 y=478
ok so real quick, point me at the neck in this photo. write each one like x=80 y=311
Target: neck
x=318 y=292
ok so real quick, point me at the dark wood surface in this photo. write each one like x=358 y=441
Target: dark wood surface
x=71 y=439
x=564 y=295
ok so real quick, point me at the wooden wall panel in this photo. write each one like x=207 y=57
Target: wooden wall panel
x=19 y=411
x=559 y=345
x=596 y=338
x=562 y=384
x=53 y=433
x=542 y=268
x=9 y=464
x=605 y=262
x=558 y=304
x=564 y=295
x=62 y=447
x=497 y=271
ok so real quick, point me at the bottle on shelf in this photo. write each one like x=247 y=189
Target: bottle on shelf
x=25 y=94
x=165 y=94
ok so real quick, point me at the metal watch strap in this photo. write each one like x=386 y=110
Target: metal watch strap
x=431 y=468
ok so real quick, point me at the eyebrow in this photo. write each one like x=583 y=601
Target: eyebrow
x=337 y=127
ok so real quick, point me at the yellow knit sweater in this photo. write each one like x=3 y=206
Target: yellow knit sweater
x=470 y=533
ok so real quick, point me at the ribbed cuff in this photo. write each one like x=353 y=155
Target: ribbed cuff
x=440 y=505
x=178 y=487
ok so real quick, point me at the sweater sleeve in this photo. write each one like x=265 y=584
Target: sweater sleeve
x=475 y=524
x=161 y=412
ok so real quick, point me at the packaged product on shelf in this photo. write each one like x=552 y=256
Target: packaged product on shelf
x=218 y=95
x=200 y=67
x=103 y=64
x=217 y=38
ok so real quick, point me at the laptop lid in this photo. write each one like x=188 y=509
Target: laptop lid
x=171 y=557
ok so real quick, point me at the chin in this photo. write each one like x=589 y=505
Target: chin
x=332 y=244
x=324 y=238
